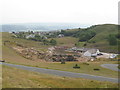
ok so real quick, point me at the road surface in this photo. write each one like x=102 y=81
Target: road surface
x=63 y=73
x=111 y=66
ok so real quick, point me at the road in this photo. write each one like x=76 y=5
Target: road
x=111 y=66
x=63 y=73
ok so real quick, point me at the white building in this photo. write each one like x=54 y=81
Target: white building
x=30 y=36
x=92 y=53
x=60 y=35
x=107 y=55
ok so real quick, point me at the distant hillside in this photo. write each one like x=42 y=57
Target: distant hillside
x=95 y=36
x=102 y=31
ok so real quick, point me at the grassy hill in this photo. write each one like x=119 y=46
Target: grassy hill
x=28 y=79
x=27 y=43
x=102 y=31
x=72 y=36
x=100 y=40
x=101 y=37
x=66 y=41
x=17 y=78
x=11 y=56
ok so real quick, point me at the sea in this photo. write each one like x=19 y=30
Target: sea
x=42 y=27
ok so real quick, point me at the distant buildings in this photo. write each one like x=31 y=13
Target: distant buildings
x=30 y=36
x=75 y=49
x=91 y=53
x=60 y=35
x=61 y=47
x=107 y=55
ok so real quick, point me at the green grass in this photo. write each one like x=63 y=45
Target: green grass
x=17 y=78
x=28 y=43
x=0 y=59
x=88 y=69
x=80 y=44
x=67 y=41
x=10 y=56
x=102 y=33
x=0 y=76
x=13 y=77
x=101 y=37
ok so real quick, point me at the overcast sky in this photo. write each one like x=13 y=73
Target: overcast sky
x=72 y=11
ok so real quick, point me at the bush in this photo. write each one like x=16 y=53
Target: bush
x=53 y=42
x=76 y=66
x=96 y=69
x=85 y=44
x=86 y=35
x=62 y=62
x=112 y=39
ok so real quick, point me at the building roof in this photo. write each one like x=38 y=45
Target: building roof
x=92 y=51
x=80 y=49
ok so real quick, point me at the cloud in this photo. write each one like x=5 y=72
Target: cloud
x=81 y=11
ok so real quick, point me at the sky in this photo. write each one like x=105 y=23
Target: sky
x=65 y=11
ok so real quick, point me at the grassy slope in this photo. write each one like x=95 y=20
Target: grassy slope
x=0 y=76
x=9 y=55
x=28 y=43
x=88 y=69
x=102 y=33
x=67 y=41
x=17 y=78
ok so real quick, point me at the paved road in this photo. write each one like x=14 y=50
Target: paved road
x=111 y=66
x=63 y=73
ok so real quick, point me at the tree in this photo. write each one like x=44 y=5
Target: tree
x=53 y=42
x=85 y=35
x=112 y=39
x=38 y=38
x=62 y=61
x=85 y=44
x=45 y=42
x=118 y=35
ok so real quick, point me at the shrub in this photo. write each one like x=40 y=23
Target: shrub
x=112 y=39
x=85 y=44
x=76 y=66
x=62 y=62
x=96 y=69
x=53 y=42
